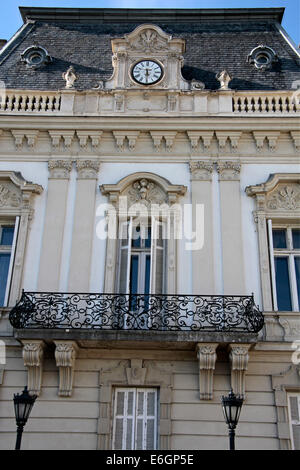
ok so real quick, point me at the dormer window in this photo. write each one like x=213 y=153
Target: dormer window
x=262 y=57
x=35 y=56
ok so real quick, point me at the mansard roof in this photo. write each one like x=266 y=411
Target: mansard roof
x=214 y=40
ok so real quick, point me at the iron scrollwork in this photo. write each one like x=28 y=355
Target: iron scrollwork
x=47 y=310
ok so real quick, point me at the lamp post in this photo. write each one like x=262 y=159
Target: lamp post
x=232 y=405
x=23 y=405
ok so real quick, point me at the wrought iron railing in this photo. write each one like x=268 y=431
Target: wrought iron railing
x=47 y=310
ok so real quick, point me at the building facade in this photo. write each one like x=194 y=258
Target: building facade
x=149 y=228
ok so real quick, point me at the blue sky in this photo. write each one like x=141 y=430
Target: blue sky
x=10 y=19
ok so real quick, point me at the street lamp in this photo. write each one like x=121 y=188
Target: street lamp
x=23 y=405
x=232 y=405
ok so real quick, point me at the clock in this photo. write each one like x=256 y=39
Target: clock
x=147 y=72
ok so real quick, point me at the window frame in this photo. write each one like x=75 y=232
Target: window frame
x=154 y=223
x=291 y=421
x=290 y=253
x=135 y=416
x=9 y=249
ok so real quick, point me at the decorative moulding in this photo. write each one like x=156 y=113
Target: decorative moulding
x=136 y=373
x=279 y=195
x=158 y=189
x=33 y=352
x=271 y=136
x=65 y=355
x=206 y=354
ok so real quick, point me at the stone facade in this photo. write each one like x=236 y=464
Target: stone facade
x=195 y=144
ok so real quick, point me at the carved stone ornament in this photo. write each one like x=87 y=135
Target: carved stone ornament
x=224 y=79
x=146 y=192
x=136 y=374
x=87 y=169
x=9 y=195
x=228 y=170
x=33 y=351
x=201 y=170
x=285 y=197
x=239 y=358
x=206 y=353
x=148 y=39
x=279 y=195
x=59 y=169
x=70 y=77
x=65 y=355
x=145 y=188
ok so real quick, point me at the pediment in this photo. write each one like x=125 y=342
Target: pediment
x=148 y=38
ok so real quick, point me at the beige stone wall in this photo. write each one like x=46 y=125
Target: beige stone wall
x=73 y=422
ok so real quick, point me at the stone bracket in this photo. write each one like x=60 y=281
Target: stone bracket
x=65 y=355
x=239 y=357
x=206 y=353
x=33 y=352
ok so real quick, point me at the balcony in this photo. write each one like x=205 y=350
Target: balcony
x=99 y=318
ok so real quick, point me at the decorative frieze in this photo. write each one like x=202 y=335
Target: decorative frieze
x=121 y=136
x=65 y=355
x=229 y=170
x=206 y=354
x=20 y=136
x=59 y=169
x=296 y=138
x=85 y=136
x=239 y=357
x=168 y=136
x=57 y=136
x=271 y=137
x=33 y=351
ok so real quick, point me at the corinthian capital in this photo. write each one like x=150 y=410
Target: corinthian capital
x=59 y=169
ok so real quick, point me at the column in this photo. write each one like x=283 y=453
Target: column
x=83 y=227
x=203 y=258
x=231 y=226
x=50 y=262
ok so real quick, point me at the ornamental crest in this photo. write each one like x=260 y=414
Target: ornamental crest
x=286 y=197
x=8 y=197
x=145 y=192
x=148 y=41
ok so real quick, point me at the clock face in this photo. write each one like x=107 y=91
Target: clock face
x=147 y=72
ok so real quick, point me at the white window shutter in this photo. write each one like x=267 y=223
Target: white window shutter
x=295 y=420
x=135 y=419
x=12 y=260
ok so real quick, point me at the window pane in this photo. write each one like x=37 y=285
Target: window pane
x=297 y=271
x=279 y=238
x=136 y=237
x=134 y=274
x=7 y=235
x=296 y=238
x=147 y=274
x=283 y=284
x=148 y=239
x=4 y=265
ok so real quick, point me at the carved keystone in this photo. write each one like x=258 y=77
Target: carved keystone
x=65 y=355
x=206 y=353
